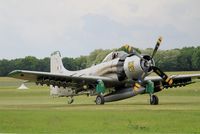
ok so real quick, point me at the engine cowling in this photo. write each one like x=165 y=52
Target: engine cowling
x=132 y=67
x=135 y=67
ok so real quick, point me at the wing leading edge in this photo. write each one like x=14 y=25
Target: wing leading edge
x=178 y=80
x=46 y=78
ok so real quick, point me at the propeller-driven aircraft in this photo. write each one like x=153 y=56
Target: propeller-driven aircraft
x=119 y=76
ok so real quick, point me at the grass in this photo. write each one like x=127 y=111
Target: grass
x=34 y=111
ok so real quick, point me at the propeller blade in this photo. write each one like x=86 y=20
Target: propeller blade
x=162 y=75
x=137 y=54
x=137 y=88
x=128 y=48
x=157 y=46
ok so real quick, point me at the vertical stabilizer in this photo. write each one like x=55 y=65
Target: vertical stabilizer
x=57 y=68
x=56 y=63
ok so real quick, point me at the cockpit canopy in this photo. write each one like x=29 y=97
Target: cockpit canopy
x=114 y=55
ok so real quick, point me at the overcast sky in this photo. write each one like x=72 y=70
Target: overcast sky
x=77 y=27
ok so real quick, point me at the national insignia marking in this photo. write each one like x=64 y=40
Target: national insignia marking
x=131 y=66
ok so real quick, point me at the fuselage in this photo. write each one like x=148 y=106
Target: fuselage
x=117 y=69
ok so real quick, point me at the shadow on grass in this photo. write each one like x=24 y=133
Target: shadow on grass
x=94 y=106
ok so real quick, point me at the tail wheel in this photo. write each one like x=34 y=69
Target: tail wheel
x=99 y=100
x=154 y=100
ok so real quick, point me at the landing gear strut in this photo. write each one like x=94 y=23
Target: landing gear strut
x=99 y=100
x=154 y=100
x=70 y=100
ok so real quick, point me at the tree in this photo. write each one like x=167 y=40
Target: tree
x=167 y=60
x=92 y=58
x=43 y=65
x=29 y=63
x=185 y=59
x=69 y=63
x=196 y=59
x=4 y=67
x=81 y=62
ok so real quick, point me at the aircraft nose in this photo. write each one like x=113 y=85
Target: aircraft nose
x=146 y=63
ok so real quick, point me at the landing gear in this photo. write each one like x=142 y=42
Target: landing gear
x=70 y=100
x=154 y=100
x=99 y=100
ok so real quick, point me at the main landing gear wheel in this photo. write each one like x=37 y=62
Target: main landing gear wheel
x=154 y=100
x=99 y=100
x=70 y=100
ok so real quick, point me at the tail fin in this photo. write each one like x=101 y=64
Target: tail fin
x=57 y=64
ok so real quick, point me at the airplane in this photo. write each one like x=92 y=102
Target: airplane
x=119 y=76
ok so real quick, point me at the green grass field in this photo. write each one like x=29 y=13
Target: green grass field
x=34 y=111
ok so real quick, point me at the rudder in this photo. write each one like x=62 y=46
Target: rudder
x=57 y=64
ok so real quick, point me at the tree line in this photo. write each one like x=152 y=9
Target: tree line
x=185 y=59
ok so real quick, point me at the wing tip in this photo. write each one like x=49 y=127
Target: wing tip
x=13 y=73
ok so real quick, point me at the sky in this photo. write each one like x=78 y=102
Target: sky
x=77 y=27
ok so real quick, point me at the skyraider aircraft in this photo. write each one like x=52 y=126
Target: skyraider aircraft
x=120 y=76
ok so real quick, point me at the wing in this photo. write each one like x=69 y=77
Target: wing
x=178 y=80
x=60 y=79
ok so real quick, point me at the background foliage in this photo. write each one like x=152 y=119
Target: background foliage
x=185 y=59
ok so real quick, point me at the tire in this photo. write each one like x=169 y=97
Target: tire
x=99 y=100
x=154 y=100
